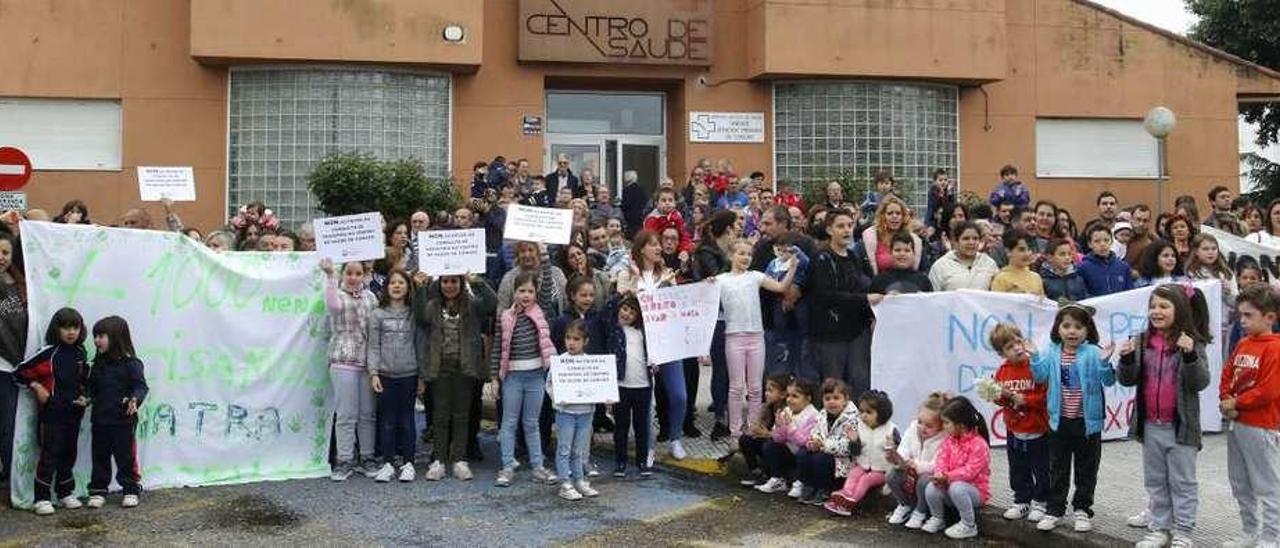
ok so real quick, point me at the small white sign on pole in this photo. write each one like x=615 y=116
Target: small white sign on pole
x=726 y=127
x=450 y=252
x=13 y=200
x=350 y=237
x=538 y=224
x=584 y=379
x=175 y=183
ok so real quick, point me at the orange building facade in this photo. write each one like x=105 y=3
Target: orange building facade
x=251 y=93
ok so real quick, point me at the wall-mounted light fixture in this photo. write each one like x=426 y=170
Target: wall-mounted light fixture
x=454 y=33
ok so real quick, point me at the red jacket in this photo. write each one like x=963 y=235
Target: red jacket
x=790 y=199
x=1031 y=417
x=657 y=222
x=1252 y=377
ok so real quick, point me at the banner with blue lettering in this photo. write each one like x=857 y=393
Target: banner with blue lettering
x=926 y=342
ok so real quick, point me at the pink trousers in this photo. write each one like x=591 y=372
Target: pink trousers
x=744 y=358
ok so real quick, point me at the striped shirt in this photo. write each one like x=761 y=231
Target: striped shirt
x=1071 y=392
x=524 y=340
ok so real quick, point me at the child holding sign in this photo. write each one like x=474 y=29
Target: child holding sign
x=1168 y=367
x=350 y=306
x=573 y=427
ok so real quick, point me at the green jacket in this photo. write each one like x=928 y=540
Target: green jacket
x=476 y=315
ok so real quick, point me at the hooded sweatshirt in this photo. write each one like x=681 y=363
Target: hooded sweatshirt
x=1252 y=377
x=968 y=459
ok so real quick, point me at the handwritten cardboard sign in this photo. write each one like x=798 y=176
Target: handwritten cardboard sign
x=584 y=379
x=679 y=321
x=350 y=237
x=449 y=252
x=538 y=224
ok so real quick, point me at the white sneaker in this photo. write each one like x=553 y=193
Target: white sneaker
x=1037 y=512
x=385 y=473
x=1242 y=542
x=70 y=502
x=585 y=488
x=916 y=521
x=408 y=472
x=677 y=450
x=900 y=515
x=934 y=525
x=341 y=471
x=1140 y=520
x=593 y=471
x=504 y=477
x=796 y=489
x=96 y=501
x=1081 y=522
x=1154 y=539
x=1181 y=540
x=567 y=492
x=774 y=485
x=129 y=501
x=1048 y=523
x=542 y=475
x=961 y=531
x=462 y=470
x=435 y=472
x=44 y=508
x=1017 y=511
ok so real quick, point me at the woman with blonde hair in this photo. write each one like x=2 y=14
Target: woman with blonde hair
x=892 y=216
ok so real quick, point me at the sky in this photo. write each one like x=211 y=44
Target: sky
x=1168 y=14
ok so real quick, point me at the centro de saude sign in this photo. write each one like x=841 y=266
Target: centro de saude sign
x=654 y=32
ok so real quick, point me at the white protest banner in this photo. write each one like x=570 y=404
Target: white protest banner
x=350 y=237
x=446 y=252
x=538 y=224
x=590 y=378
x=938 y=341
x=1234 y=247
x=679 y=321
x=175 y=183
x=234 y=349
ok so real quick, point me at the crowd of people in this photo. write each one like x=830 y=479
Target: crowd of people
x=790 y=359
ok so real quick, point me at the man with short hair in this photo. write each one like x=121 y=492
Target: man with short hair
x=840 y=316
x=420 y=221
x=635 y=201
x=563 y=177
x=603 y=207
x=783 y=315
x=463 y=218
x=1140 y=218
x=1219 y=202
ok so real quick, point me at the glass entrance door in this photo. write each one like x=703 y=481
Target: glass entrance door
x=609 y=132
x=646 y=161
x=609 y=156
x=582 y=157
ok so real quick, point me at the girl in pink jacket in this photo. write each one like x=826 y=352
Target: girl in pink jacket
x=962 y=472
x=791 y=431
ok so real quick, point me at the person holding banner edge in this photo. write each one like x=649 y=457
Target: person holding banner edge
x=841 y=315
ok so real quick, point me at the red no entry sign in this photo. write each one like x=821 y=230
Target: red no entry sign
x=15 y=168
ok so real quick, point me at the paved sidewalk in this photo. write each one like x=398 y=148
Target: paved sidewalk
x=1120 y=493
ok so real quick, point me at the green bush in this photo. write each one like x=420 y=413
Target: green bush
x=346 y=183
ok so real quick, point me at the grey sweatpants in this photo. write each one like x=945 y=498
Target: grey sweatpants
x=896 y=479
x=962 y=496
x=1253 y=459
x=354 y=404
x=1169 y=474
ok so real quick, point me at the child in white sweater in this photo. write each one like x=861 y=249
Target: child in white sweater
x=876 y=434
x=913 y=462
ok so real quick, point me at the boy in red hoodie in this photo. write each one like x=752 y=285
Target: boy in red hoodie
x=1249 y=390
x=1026 y=420
x=665 y=215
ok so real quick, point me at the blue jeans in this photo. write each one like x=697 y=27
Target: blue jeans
x=784 y=353
x=573 y=445
x=397 y=433
x=522 y=401
x=671 y=376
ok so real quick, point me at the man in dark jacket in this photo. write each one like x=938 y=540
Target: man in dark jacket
x=840 y=310
x=785 y=327
x=563 y=177
x=635 y=202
